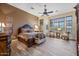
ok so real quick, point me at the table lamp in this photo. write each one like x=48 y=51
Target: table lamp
x=36 y=28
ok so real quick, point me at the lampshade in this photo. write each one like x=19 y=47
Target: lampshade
x=36 y=28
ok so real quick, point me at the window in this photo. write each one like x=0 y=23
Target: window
x=2 y=25
x=57 y=23
x=69 y=23
x=60 y=23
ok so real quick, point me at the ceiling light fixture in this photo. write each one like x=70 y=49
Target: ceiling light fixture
x=46 y=12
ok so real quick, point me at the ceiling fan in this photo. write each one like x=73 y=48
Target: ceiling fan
x=46 y=12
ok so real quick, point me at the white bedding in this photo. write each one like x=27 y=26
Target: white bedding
x=27 y=36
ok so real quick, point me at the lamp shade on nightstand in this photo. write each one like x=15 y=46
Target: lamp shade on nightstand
x=36 y=28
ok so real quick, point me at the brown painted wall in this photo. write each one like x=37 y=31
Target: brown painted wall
x=19 y=17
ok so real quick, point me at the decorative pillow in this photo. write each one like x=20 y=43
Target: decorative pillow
x=40 y=36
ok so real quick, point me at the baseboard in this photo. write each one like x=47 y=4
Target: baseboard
x=72 y=39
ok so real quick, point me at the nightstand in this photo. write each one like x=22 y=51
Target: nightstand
x=5 y=41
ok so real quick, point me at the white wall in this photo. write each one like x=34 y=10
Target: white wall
x=45 y=23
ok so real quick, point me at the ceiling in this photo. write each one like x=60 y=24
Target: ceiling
x=35 y=8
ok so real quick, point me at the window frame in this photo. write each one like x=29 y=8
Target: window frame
x=57 y=20
x=69 y=22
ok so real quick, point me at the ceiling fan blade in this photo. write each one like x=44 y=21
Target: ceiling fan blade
x=50 y=12
x=47 y=14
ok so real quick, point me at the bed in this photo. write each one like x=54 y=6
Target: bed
x=29 y=37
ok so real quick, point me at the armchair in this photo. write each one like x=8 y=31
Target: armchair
x=39 y=38
x=65 y=35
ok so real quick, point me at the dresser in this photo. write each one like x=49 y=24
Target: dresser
x=5 y=42
x=77 y=15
